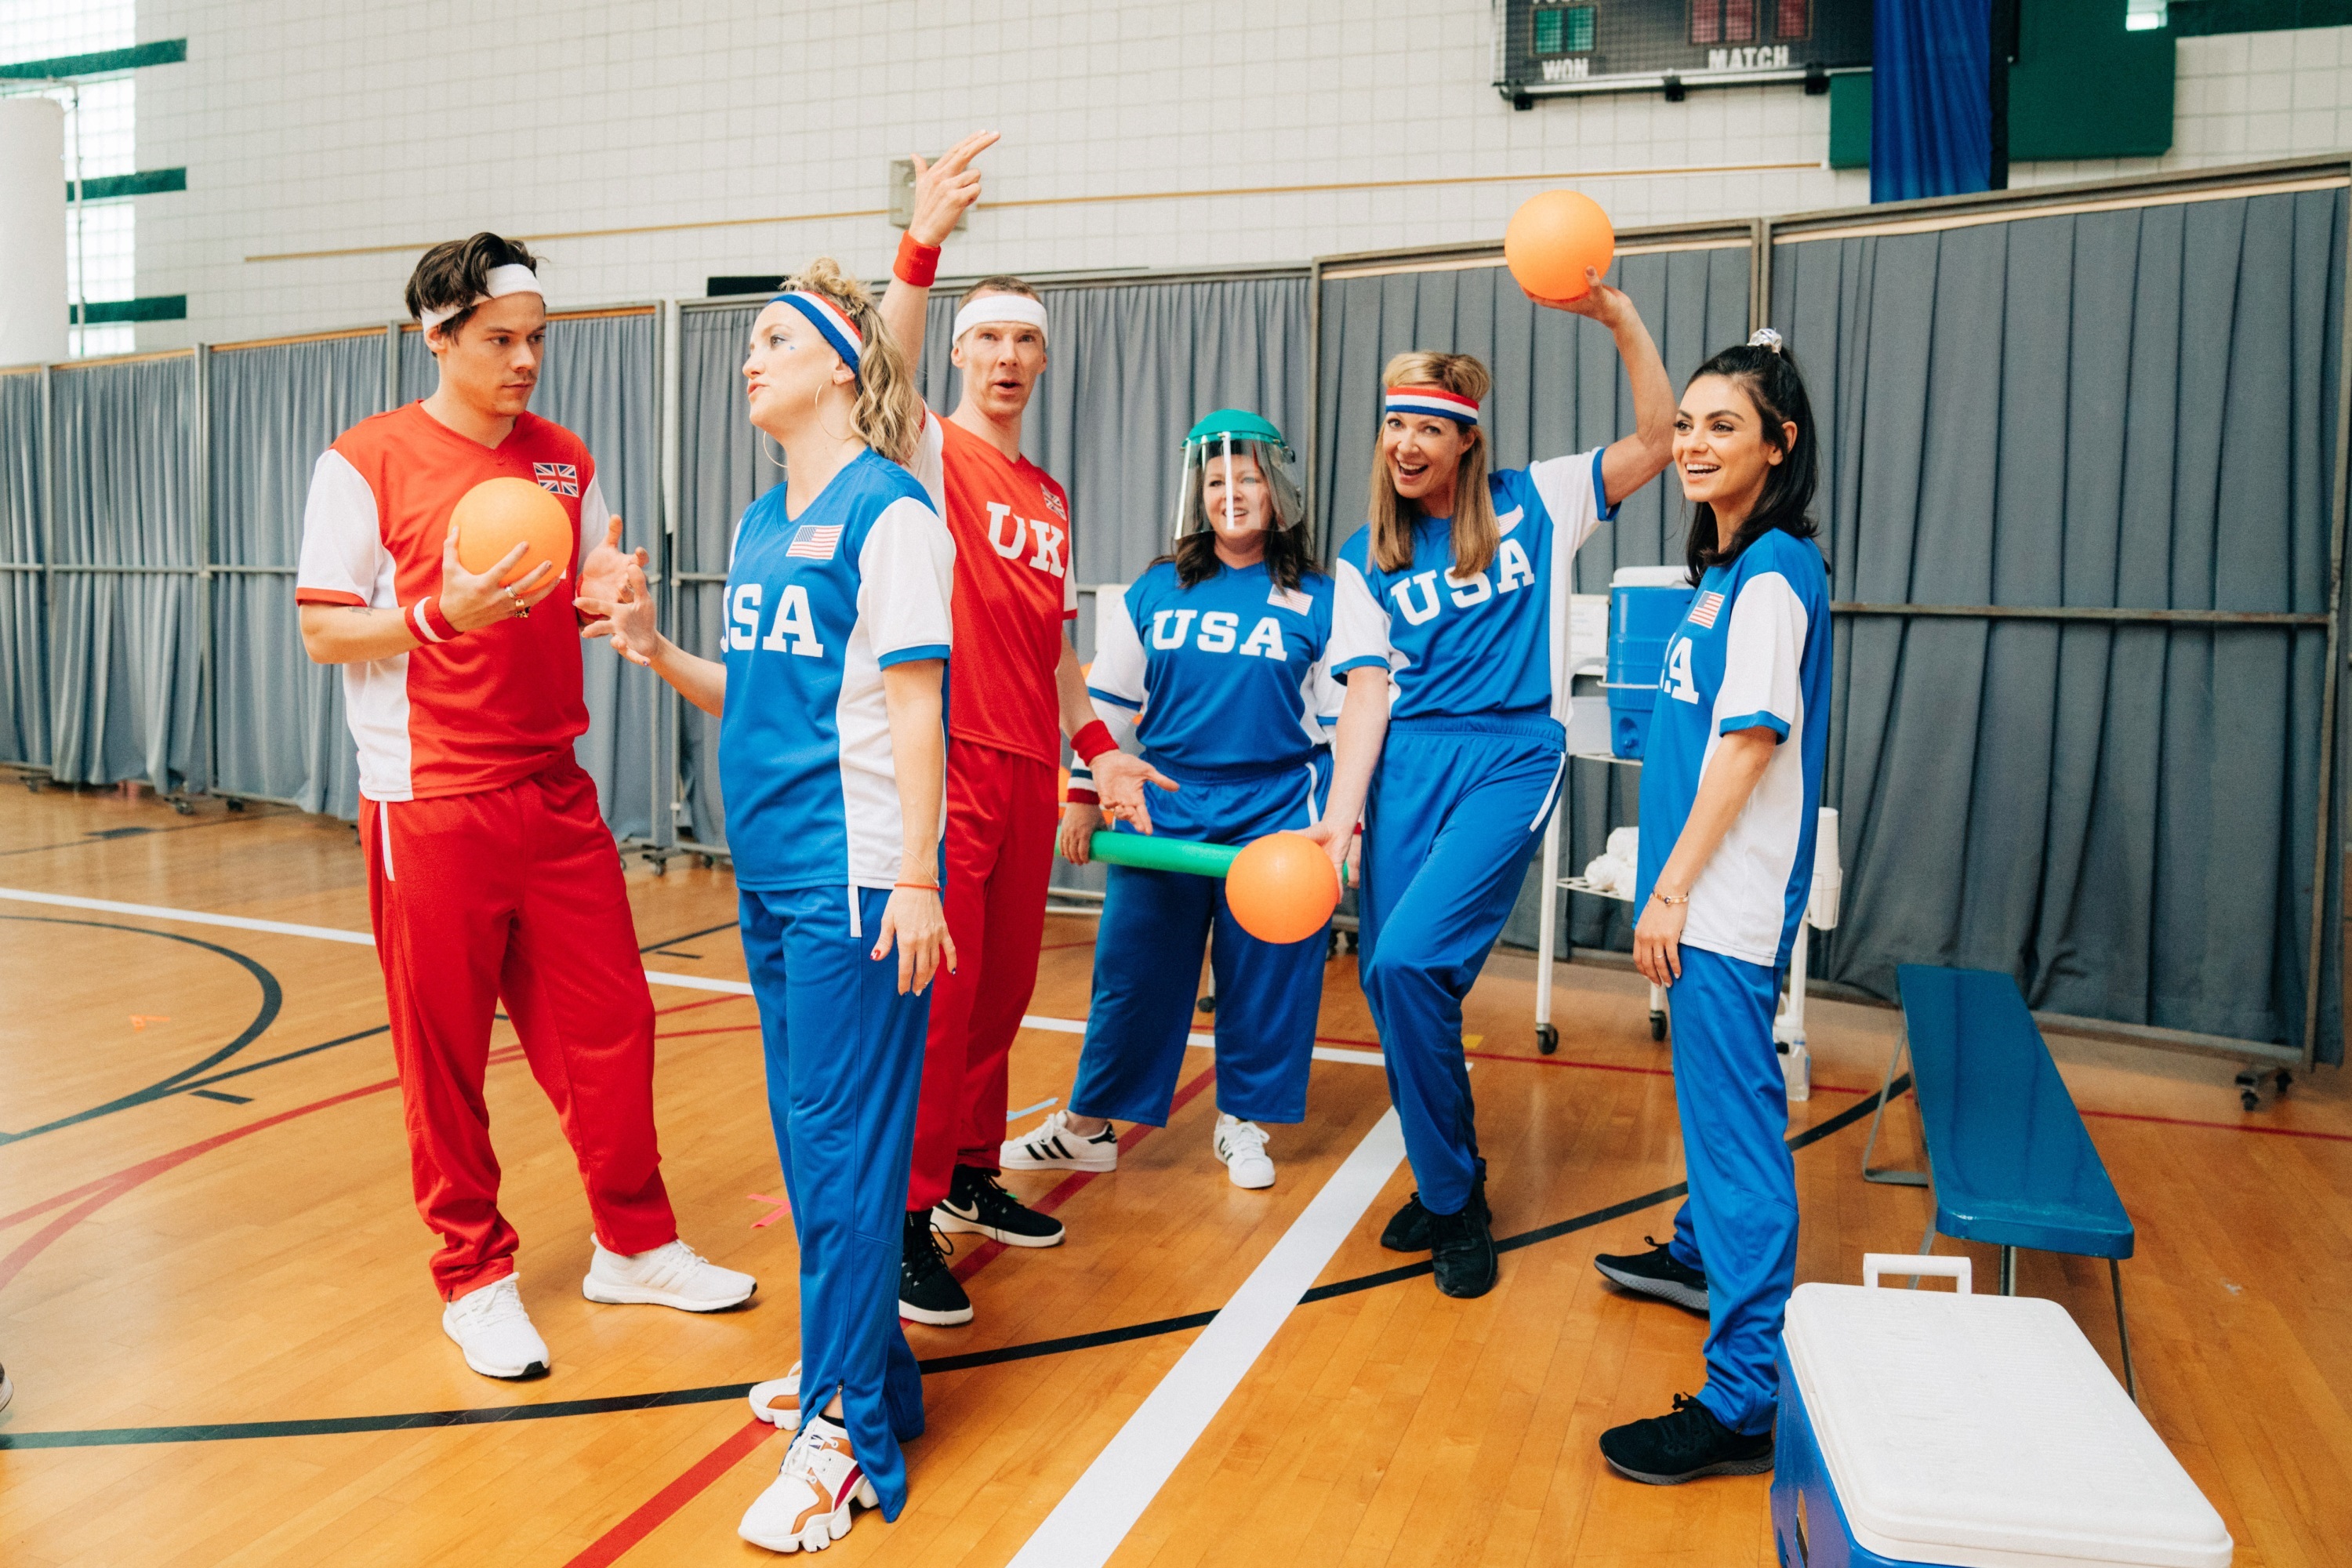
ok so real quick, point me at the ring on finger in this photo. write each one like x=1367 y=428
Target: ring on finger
x=519 y=607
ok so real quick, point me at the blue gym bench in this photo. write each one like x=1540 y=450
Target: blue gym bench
x=2009 y=1160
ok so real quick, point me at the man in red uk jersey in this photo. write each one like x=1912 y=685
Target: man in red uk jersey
x=491 y=871
x=1016 y=690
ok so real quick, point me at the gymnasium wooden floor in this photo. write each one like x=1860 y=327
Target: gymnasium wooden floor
x=214 y=1301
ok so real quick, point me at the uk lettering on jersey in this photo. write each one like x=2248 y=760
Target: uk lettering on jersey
x=1226 y=679
x=1753 y=652
x=1488 y=643
x=1014 y=588
x=818 y=607
x=469 y=714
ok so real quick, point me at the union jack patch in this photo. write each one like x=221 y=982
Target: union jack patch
x=561 y=479
x=1054 y=500
x=814 y=543
x=1704 y=610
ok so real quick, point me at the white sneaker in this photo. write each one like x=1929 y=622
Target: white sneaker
x=1242 y=1146
x=490 y=1326
x=806 y=1507
x=671 y=1276
x=778 y=1400
x=1052 y=1146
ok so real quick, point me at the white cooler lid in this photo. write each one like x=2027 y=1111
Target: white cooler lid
x=1650 y=577
x=1985 y=1432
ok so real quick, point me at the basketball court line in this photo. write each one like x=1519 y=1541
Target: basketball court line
x=1097 y=1513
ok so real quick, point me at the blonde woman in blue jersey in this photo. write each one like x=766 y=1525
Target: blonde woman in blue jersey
x=1213 y=661
x=832 y=751
x=1450 y=628
x=1731 y=790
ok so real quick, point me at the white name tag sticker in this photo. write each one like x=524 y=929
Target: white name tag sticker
x=1290 y=599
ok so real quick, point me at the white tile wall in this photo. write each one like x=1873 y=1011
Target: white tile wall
x=313 y=128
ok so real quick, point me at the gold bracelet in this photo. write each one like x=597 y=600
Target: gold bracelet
x=1668 y=898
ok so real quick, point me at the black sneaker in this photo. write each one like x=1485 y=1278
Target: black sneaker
x=1655 y=1273
x=1462 y=1250
x=928 y=1293
x=1667 y=1450
x=976 y=1202
x=1408 y=1230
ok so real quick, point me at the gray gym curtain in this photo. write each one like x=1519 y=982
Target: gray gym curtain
x=279 y=722
x=23 y=618
x=2133 y=409
x=1558 y=387
x=601 y=380
x=126 y=645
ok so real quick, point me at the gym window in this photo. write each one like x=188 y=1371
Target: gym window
x=1564 y=29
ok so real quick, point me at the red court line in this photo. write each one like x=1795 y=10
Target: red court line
x=665 y=1504
x=657 y=1510
x=706 y=1001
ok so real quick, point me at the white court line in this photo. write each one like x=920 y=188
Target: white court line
x=1087 y=1525
x=653 y=976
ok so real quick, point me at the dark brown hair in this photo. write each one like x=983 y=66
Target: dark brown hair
x=456 y=272
x=1766 y=374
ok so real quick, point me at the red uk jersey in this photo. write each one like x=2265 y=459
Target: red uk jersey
x=478 y=712
x=1014 y=591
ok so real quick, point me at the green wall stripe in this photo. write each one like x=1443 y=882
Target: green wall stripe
x=2198 y=18
x=163 y=52
x=146 y=183
x=154 y=308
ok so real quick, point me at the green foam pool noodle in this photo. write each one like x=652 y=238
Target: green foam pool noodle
x=1151 y=853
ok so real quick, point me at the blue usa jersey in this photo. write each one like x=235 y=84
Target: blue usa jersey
x=1488 y=644
x=818 y=607
x=1752 y=652
x=1226 y=676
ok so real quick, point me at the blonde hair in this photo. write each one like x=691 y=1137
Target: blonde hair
x=1476 y=536
x=889 y=413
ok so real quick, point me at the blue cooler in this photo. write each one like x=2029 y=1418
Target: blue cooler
x=1920 y=1427
x=1645 y=604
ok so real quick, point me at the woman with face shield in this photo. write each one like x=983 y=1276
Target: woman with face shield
x=1212 y=665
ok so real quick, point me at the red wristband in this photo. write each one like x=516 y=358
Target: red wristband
x=918 y=263
x=1080 y=795
x=1092 y=741
x=425 y=619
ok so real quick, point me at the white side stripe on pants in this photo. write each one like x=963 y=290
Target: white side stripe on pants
x=1087 y=1525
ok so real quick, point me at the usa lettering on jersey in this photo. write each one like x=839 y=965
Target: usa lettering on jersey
x=560 y=479
x=1220 y=632
x=792 y=631
x=1417 y=597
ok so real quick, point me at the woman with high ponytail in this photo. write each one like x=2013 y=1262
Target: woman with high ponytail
x=832 y=751
x=1731 y=786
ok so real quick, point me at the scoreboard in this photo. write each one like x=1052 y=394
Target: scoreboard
x=1550 y=48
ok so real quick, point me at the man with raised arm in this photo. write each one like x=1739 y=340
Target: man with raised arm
x=1016 y=690
x=491 y=875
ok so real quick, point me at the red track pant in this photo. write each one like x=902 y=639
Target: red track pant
x=1002 y=813
x=514 y=893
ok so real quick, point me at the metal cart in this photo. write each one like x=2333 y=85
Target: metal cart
x=1547 y=922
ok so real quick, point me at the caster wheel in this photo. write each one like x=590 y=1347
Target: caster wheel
x=2285 y=1081
x=703 y=860
x=1657 y=1026
x=1205 y=1004
x=1547 y=1039
x=32 y=787
x=2250 y=1099
x=234 y=803
x=661 y=867
x=185 y=808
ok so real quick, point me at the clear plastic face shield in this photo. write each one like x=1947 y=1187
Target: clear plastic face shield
x=1238 y=484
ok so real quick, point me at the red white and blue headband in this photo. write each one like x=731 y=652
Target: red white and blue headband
x=497 y=284
x=1432 y=400
x=829 y=320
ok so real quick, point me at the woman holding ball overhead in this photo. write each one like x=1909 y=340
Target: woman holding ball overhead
x=1450 y=602
x=1214 y=660
x=1731 y=785
x=832 y=752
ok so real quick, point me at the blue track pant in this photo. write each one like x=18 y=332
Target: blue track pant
x=845 y=1062
x=1148 y=963
x=1456 y=807
x=1739 y=1225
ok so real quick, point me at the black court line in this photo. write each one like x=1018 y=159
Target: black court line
x=224 y=1098
x=121 y=1436
x=688 y=936
x=106 y=836
x=272 y=999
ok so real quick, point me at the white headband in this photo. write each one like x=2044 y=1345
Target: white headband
x=999 y=308
x=501 y=281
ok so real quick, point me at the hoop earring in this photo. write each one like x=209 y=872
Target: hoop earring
x=816 y=412
x=763 y=449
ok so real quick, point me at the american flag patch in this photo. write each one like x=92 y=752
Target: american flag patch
x=1704 y=610
x=814 y=543
x=561 y=479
